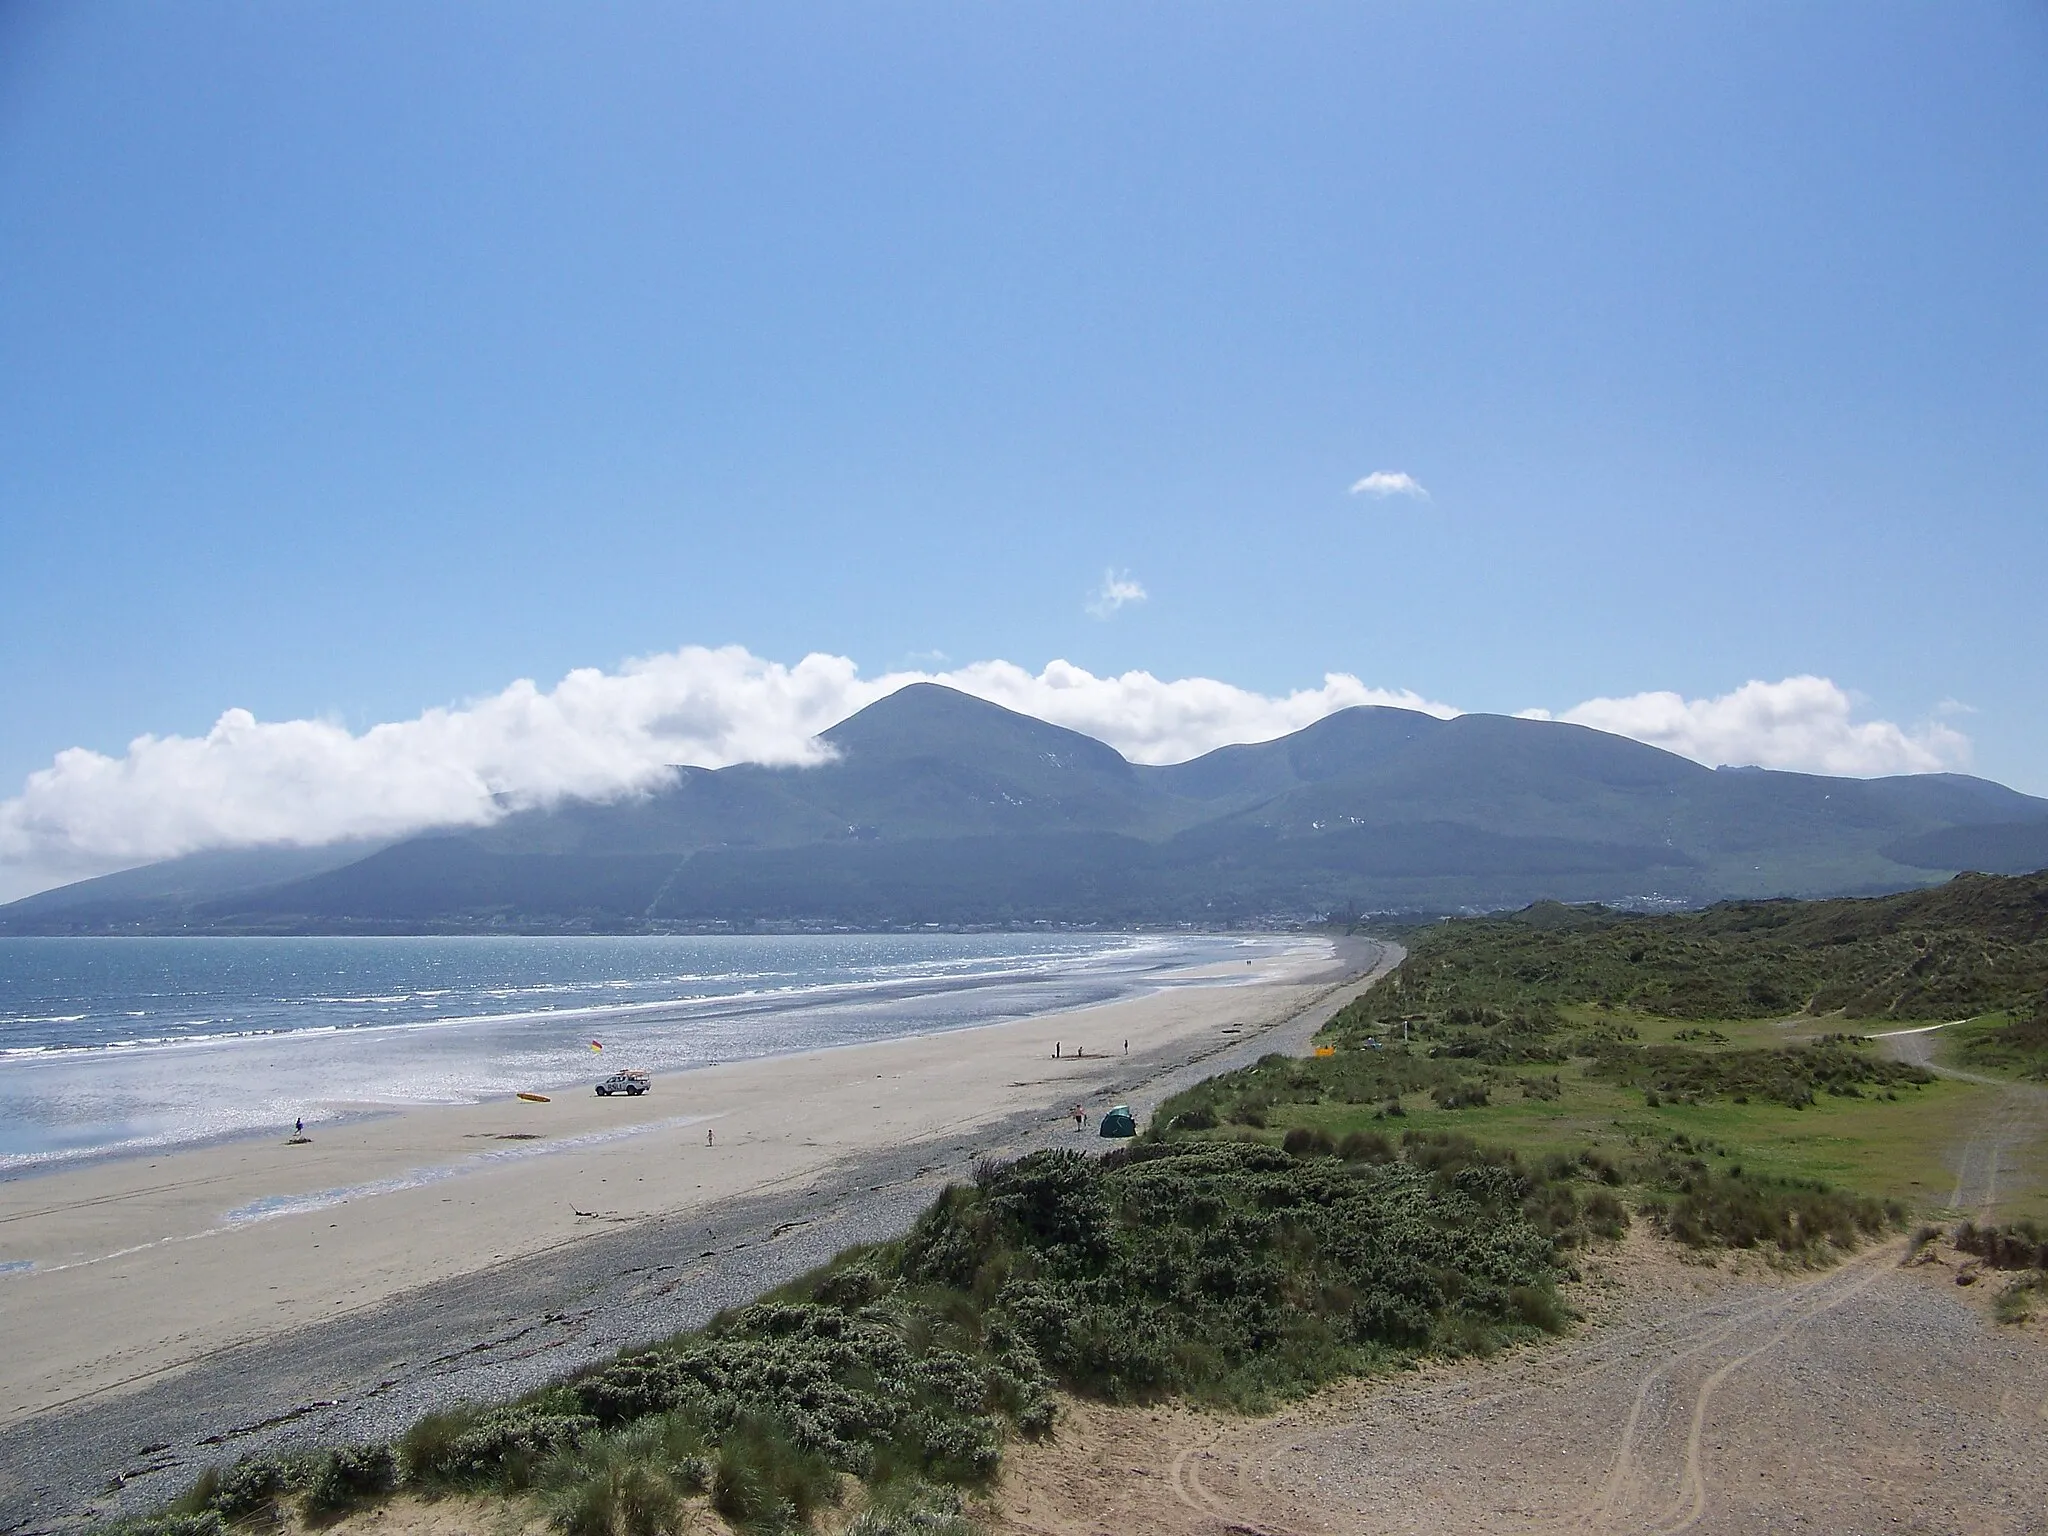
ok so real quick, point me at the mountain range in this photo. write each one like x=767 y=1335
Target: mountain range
x=939 y=808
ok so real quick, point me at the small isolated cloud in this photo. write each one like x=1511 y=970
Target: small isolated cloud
x=1800 y=723
x=1382 y=483
x=1116 y=592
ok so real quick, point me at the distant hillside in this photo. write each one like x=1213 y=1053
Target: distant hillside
x=941 y=808
x=1972 y=946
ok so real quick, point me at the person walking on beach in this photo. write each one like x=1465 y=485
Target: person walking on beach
x=299 y=1126
x=1080 y=1116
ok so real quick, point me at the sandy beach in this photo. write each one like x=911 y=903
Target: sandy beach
x=142 y=1267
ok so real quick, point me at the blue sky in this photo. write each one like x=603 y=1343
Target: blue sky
x=357 y=359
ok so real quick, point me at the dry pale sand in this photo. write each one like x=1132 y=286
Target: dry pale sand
x=141 y=1269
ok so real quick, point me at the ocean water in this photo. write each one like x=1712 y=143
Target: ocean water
x=129 y=1044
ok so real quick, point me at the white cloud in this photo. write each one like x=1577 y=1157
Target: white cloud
x=595 y=735
x=603 y=735
x=1115 y=592
x=1151 y=721
x=1803 y=723
x=1382 y=483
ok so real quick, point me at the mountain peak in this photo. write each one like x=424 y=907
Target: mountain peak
x=930 y=719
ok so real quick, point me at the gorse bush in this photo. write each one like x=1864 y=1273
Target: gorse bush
x=350 y=1474
x=249 y=1486
x=498 y=1447
x=1229 y=1271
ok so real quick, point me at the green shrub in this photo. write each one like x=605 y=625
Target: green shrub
x=250 y=1485
x=1303 y=1142
x=350 y=1474
x=1366 y=1147
x=1788 y=1075
x=504 y=1446
x=852 y=1287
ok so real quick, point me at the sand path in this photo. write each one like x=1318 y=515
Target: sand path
x=2001 y=1149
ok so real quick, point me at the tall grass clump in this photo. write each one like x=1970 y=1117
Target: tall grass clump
x=765 y=1480
x=632 y=1483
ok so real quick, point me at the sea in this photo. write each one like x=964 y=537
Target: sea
x=112 y=1046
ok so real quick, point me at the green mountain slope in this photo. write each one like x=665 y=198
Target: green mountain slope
x=939 y=808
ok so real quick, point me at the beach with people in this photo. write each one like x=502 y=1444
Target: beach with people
x=136 y=1276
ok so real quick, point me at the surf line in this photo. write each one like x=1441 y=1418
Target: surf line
x=270 y=1207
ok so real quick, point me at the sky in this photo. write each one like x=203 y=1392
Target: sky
x=407 y=410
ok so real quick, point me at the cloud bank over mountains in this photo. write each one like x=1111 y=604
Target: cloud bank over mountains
x=1802 y=722
x=600 y=735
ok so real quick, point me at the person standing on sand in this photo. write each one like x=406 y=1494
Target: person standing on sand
x=1080 y=1116
x=299 y=1126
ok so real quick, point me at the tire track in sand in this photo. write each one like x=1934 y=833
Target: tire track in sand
x=1710 y=1336
x=1693 y=1486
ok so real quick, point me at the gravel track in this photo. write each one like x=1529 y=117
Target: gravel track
x=1991 y=1159
x=1868 y=1398
x=505 y=1329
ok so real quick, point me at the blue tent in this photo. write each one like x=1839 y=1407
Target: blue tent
x=1119 y=1122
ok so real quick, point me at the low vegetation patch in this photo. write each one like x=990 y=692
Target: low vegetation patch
x=1696 y=1192
x=2018 y=1245
x=1794 y=1076
x=2017 y=1044
x=1232 y=1272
